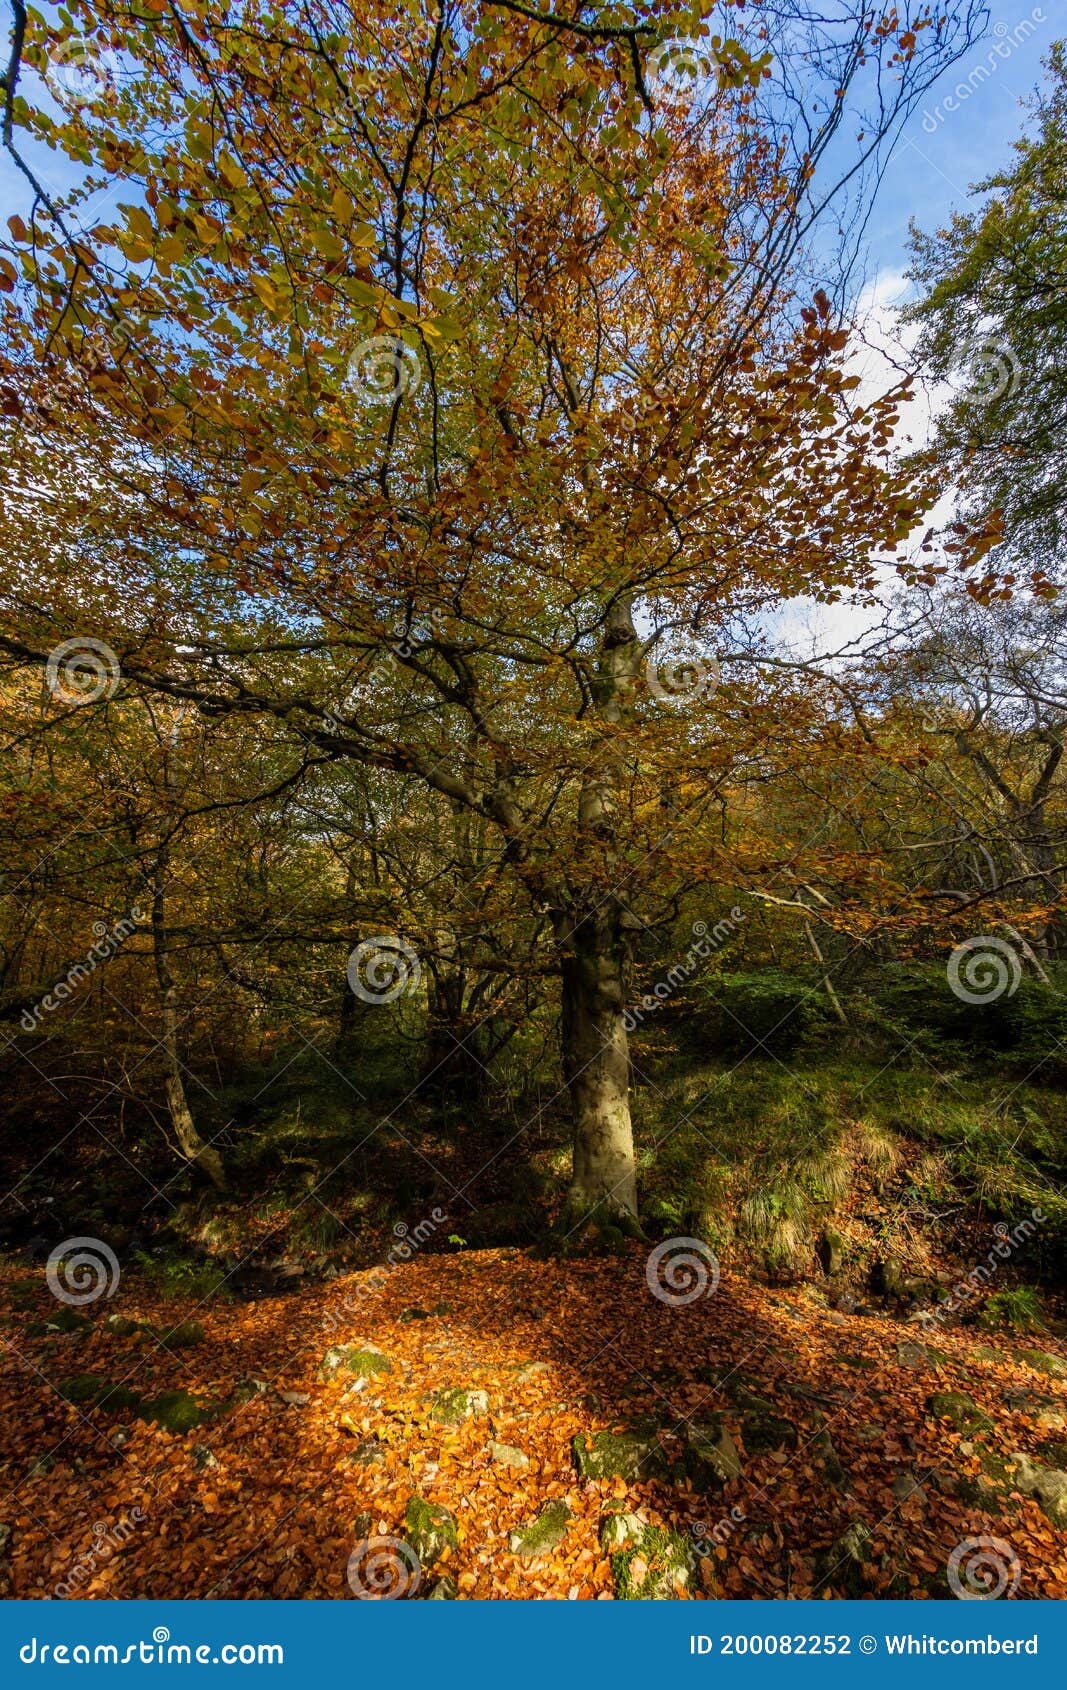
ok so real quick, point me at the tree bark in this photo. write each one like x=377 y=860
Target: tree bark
x=190 y=1143
x=596 y=1067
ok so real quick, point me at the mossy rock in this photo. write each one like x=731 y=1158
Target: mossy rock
x=711 y=1458
x=525 y=1371
x=634 y=1453
x=844 y=1566
x=1048 y=1412
x=183 y=1336
x=120 y=1326
x=655 y=1566
x=86 y=1387
x=176 y=1411
x=362 y=1361
x=541 y=1535
x=63 y=1320
x=431 y=1529
x=1042 y=1362
x=451 y=1407
x=762 y=1432
x=506 y=1455
x=114 y=1398
x=984 y=1352
x=618 y=1528
x=960 y=1410
x=1046 y=1485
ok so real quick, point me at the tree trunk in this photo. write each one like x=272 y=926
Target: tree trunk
x=190 y=1143
x=596 y=1067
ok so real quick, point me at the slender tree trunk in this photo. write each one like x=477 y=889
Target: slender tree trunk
x=596 y=1067
x=591 y=942
x=190 y=1143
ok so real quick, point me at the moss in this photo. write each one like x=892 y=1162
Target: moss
x=183 y=1336
x=506 y=1455
x=1041 y=1362
x=86 y=1387
x=763 y=1432
x=176 y=1411
x=656 y=1566
x=63 y=1320
x=363 y=1361
x=431 y=1529
x=452 y=1406
x=960 y=1410
x=114 y=1398
x=844 y=1565
x=542 y=1534
x=628 y=1454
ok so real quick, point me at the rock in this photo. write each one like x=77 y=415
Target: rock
x=114 y=1398
x=960 y=1410
x=524 y=1371
x=184 y=1336
x=431 y=1529
x=763 y=1431
x=363 y=1525
x=826 y=1455
x=176 y=1411
x=618 y=1529
x=906 y=1486
x=369 y=1453
x=711 y=1458
x=1048 y=1412
x=655 y=1566
x=1046 y=1485
x=86 y=1387
x=913 y=1355
x=983 y=1352
x=542 y=1534
x=203 y=1456
x=121 y=1327
x=295 y=1399
x=362 y=1361
x=1041 y=1362
x=407 y=1315
x=629 y=1454
x=452 y=1406
x=444 y=1590
x=843 y=1565
x=59 y=1320
x=831 y=1251
x=506 y=1455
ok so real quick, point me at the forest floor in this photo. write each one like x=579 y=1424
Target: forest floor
x=432 y=1428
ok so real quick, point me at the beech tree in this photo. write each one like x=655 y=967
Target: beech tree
x=450 y=386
